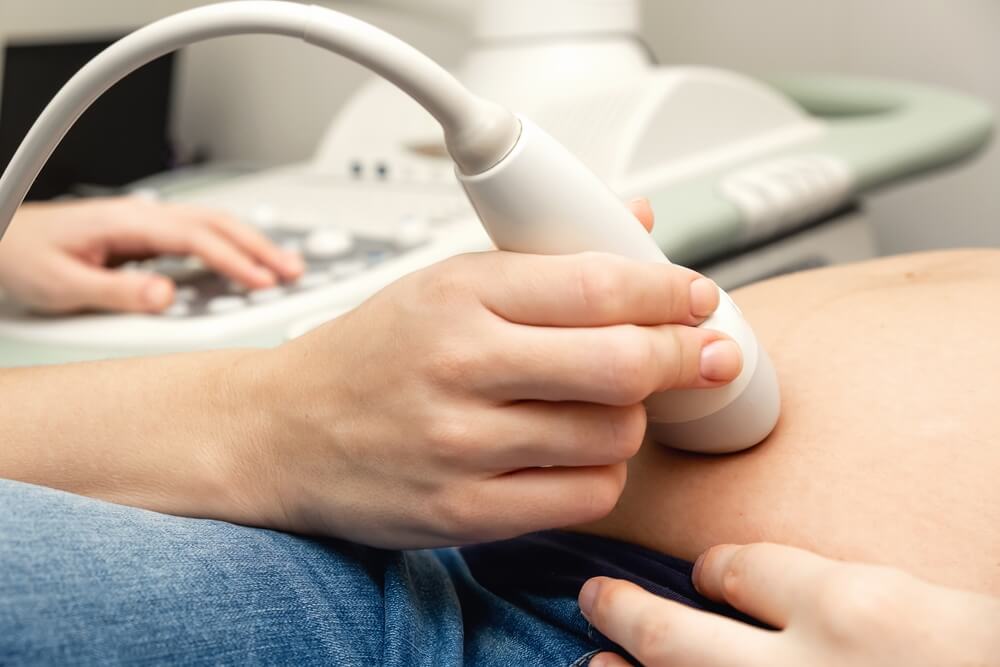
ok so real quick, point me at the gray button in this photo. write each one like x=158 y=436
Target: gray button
x=178 y=309
x=311 y=280
x=226 y=304
x=291 y=245
x=348 y=268
x=412 y=231
x=267 y=295
x=185 y=294
x=328 y=243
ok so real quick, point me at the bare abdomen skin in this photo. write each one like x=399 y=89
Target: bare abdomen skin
x=888 y=448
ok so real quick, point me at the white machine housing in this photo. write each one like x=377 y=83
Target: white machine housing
x=383 y=164
x=382 y=167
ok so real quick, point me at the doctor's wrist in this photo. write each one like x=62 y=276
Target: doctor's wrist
x=243 y=457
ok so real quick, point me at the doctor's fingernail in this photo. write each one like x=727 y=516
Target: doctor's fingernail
x=157 y=294
x=721 y=361
x=704 y=297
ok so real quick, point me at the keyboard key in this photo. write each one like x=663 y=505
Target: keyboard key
x=348 y=268
x=291 y=245
x=267 y=295
x=328 y=243
x=311 y=280
x=412 y=232
x=226 y=304
x=178 y=309
x=185 y=294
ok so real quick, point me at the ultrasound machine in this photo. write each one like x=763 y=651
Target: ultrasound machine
x=750 y=178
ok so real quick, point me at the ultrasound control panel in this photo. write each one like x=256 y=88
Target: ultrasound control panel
x=332 y=255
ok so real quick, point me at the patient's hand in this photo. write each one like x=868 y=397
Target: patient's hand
x=826 y=612
x=55 y=257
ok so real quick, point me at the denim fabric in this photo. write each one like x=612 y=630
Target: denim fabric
x=87 y=582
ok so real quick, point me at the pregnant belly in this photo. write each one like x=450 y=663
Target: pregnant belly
x=888 y=450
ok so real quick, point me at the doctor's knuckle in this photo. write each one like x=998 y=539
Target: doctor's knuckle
x=445 y=282
x=675 y=369
x=602 y=495
x=673 y=293
x=200 y=238
x=450 y=438
x=457 y=511
x=629 y=360
x=628 y=428
x=453 y=363
x=129 y=208
x=600 y=284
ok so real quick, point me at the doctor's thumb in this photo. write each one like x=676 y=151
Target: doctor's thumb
x=127 y=291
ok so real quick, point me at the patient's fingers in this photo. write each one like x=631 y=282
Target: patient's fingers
x=609 y=660
x=661 y=632
x=594 y=290
x=619 y=365
x=767 y=581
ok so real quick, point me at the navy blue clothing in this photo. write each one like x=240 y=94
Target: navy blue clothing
x=86 y=582
x=535 y=570
x=559 y=563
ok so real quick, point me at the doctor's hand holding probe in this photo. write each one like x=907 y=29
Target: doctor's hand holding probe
x=425 y=417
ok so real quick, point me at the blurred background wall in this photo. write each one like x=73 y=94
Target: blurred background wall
x=239 y=99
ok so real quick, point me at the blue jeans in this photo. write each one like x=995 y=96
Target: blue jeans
x=87 y=582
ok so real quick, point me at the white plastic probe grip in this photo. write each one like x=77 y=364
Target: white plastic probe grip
x=541 y=199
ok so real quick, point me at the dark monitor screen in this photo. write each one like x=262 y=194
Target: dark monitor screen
x=123 y=137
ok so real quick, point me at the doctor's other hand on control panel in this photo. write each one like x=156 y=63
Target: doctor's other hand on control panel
x=64 y=257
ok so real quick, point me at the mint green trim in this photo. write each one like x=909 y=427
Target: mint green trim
x=20 y=353
x=886 y=131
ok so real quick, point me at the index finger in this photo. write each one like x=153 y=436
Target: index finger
x=156 y=233
x=595 y=290
x=246 y=238
x=766 y=581
x=663 y=632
